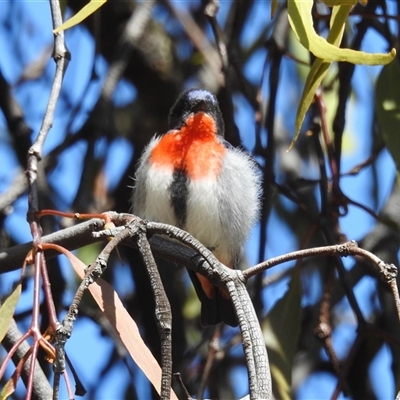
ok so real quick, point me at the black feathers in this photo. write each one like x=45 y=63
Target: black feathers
x=179 y=194
x=192 y=101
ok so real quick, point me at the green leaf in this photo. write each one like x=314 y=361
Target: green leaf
x=332 y=3
x=314 y=79
x=7 y=310
x=326 y=51
x=301 y=21
x=83 y=13
x=320 y=67
x=387 y=99
x=281 y=332
x=8 y=388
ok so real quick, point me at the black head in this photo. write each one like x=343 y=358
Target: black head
x=192 y=101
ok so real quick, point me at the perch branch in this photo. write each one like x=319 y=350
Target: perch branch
x=162 y=312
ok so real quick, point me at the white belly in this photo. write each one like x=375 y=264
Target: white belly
x=158 y=205
x=203 y=218
x=202 y=214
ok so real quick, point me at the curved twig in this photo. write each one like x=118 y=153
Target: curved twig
x=162 y=312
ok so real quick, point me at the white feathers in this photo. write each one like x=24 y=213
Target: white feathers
x=220 y=211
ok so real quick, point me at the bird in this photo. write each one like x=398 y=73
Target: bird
x=192 y=178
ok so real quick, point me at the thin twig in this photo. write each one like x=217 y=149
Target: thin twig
x=94 y=271
x=199 y=39
x=323 y=329
x=20 y=132
x=333 y=163
x=61 y=57
x=225 y=94
x=16 y=190
x=343 y=250
x=388 y=272
x=213 y=349
x=41 y=388
x=133 y=31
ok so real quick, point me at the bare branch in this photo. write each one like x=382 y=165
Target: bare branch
x=70 y=238
x=163 y=313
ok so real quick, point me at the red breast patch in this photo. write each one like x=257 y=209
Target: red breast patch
x=194 y=148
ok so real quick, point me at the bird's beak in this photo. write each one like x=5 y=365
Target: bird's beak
x=199 y=107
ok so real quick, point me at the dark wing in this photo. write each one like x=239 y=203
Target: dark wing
x=216 y=309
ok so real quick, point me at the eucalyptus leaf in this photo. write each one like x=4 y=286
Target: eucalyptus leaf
x=300 y=18
x=7 y=310
x=83 y=13
x=325 y=51
x=320 y=67
x=387 y=99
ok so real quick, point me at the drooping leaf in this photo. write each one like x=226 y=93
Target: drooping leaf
x=332 y=3
x=120 y=320
x=320 y=67
x=300 y=18
x=387 y=99
x=8 y=388
x=7 y=310
x=326 y=51
x=83 y=13
x=125 y=327
x=281 y=331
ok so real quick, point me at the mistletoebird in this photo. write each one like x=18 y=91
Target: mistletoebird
x=191 y=178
